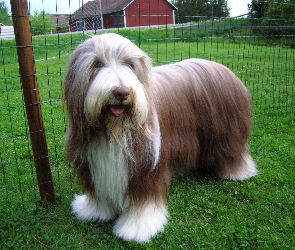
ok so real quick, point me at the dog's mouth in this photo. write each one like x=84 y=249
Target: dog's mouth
x=116 y=110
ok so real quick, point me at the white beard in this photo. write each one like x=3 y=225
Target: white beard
x=109 y=169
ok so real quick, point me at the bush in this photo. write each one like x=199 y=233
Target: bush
x=42 y=24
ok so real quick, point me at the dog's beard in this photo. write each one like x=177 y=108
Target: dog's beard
x=117 y=119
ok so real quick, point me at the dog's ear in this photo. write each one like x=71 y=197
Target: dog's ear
x=144 y=74
x=75 y=88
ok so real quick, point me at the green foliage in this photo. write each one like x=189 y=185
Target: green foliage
x=257 y=10
x=42 y=24
x=275 y=17
x=280 y=13
x=4 y=17
x=194 y=10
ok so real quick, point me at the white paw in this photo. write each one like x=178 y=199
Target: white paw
x=89 y=209
x=141 y=223
x=246 y=170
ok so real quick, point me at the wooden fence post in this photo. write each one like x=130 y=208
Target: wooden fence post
x=21 y=23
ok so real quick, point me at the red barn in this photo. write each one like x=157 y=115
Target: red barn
x=122 y=13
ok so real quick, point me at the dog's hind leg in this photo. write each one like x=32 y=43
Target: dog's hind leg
x=87 y=208
x=242 y=169
x=141 y=222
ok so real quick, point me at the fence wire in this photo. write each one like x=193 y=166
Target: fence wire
x=263 y=61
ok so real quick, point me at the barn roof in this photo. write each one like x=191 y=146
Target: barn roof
x=107 y=7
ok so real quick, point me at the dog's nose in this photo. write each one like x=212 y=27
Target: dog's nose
x=121 y=93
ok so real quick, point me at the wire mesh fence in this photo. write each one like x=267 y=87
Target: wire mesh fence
x=263 y=61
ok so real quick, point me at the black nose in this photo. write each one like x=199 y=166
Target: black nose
x=121 y=93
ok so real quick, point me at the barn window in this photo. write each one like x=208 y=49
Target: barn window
x=80 y=25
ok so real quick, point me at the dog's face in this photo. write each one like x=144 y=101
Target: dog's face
x=106 y=82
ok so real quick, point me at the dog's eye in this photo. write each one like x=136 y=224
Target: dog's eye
x=98 y=64
x=129 y=64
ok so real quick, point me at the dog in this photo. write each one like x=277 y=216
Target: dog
x=131 y=125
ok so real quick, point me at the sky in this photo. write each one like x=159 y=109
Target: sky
x=237 y=7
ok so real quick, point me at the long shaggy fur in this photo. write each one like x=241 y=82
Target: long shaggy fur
x=131 y=124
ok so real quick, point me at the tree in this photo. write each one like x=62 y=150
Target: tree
x=257 y=10
x=219 y=8
x=196 y=10
x=41 y=24
x=4 y=17
x=272 y=16
x=280 y=12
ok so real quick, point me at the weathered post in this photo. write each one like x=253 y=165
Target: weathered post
x=21 y=23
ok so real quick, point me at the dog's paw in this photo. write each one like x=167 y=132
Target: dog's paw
x=245 y=170
x=141 y=223
x=88 y=209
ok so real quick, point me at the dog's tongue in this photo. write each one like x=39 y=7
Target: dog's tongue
x=117 y=110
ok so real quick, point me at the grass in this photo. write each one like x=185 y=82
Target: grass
x=205 y=212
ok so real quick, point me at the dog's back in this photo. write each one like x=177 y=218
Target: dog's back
x=205 y=114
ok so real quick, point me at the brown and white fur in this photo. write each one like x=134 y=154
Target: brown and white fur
x=131 y=124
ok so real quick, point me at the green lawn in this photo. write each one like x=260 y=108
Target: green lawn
x=205 y=212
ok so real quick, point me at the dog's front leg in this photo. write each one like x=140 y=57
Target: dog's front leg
x=87 y=208
x=142 y=222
